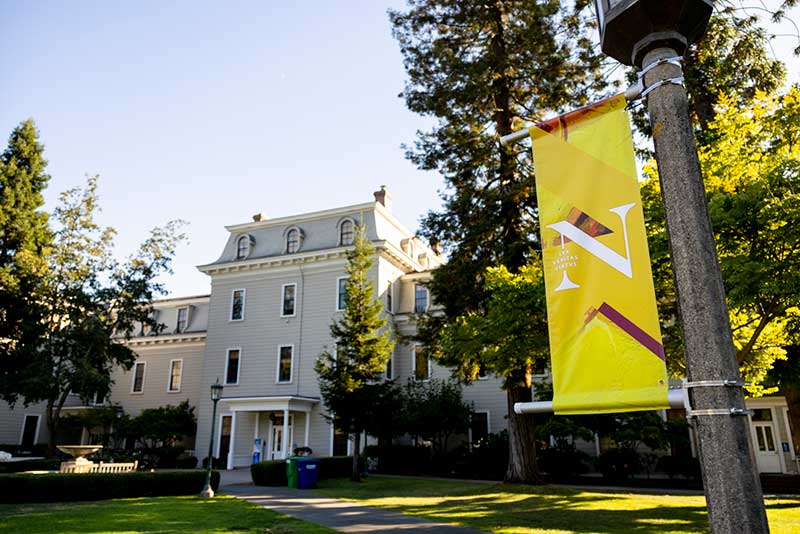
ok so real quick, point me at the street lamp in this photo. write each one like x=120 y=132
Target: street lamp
x=653 y=35
x=216 y=393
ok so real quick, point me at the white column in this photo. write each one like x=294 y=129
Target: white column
x=233 y=438
x=308 y=427
x=285 y=435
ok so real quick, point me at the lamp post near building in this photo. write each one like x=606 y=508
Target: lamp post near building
x=216 y=393
x=653 y=35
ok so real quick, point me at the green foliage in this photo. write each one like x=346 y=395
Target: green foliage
x=363 y=347
x=165 y=426
x=29 y=465
x=107 y=425
x=61 y=487
x=509 y=338
x=24 y=239
x=435 y=410
x=752 y=178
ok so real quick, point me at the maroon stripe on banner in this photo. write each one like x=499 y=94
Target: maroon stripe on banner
x=634 y=331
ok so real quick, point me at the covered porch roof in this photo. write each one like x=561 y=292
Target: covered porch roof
x=271 y=403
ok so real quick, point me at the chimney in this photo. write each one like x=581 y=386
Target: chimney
x=384 y=197
x=258 y=217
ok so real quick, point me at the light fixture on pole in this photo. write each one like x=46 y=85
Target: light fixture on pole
x=653 y=35
x=216 y=394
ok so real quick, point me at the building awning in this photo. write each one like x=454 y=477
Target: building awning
x=271 y=403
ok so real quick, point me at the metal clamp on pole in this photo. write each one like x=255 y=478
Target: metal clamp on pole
x=678 y=80
x=691 y=412
x=674 y=60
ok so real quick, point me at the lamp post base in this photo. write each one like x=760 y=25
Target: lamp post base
x=207 y=493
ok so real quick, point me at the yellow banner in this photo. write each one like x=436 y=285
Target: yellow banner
x=605 y=341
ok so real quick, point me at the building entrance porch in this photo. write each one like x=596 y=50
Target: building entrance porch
x=279 y=425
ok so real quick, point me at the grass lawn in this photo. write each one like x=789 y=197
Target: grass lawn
x=162 y=515
x=516 y=509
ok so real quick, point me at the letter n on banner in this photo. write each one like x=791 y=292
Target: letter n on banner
x=605 y=340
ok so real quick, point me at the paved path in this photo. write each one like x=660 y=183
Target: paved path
x=343 y=516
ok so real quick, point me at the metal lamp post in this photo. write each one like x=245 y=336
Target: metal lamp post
x=653 y=35
x=216 y=393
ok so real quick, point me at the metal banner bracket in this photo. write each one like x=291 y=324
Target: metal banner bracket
x=691 y=412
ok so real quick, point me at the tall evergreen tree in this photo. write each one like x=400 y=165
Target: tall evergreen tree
x=24 y=236
x=483 y=69
x=363 y=349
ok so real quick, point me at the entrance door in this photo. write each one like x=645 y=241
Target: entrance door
x=767 y=453
x=276 y=437
x=225 y=439
x=29 y=431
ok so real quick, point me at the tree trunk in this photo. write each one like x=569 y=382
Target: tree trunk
x=356 y=476
x=792 y=394
x=521 y=440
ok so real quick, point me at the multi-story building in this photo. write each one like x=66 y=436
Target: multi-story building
x=275 y=289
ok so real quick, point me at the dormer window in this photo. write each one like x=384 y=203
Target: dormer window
x=293 y=238
x=243 y=245
x=346 y=233
x=183 y=320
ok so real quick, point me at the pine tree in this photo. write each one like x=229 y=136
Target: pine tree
x=24 y=236
x=363 y=349
x=483 y=69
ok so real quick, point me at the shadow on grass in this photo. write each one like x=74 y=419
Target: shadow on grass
x=516 y=508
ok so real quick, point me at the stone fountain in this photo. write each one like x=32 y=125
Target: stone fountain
x=79 y=464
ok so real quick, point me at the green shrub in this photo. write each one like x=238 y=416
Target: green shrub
x=337 y=466
x=186 y=462
x=20 y=488
x=618 y=464
x=269 y=473
x=30 y=465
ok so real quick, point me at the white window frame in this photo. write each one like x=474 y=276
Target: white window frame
x=414 y=364
x=300 y=238
x=278 y=366
x=391 y=361
x=178 y=318
x=94 y=400
x=390 y=297
x=283 y=297
x=133 y=378
x=247 y=249
x=488 y=425
x=338 y=279
x=38 y=426
x=427 y=298
x=244 y=304
x=238 y=367
x=169 y=376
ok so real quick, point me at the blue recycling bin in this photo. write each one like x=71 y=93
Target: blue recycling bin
x=307 y=473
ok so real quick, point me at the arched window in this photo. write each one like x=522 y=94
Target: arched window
x=346 y=233
x=243 y=247
x=293 y=241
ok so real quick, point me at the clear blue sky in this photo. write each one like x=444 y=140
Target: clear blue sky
x=213 y=111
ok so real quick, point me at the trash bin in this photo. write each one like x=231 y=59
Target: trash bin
x=307 y=473
x=291 y=471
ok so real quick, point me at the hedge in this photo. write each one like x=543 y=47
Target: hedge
x=29 y=465
x=273 y=472
x=22 y=488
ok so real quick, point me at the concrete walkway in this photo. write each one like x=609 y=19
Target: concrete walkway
x=340 y=515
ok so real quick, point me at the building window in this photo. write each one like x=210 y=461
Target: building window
x=138 y=377
x=30 y=431
x=390 y=367
x=232 y=367
x=389 y=303
x=237 y=305
x=293 y=241
x=479 y=427
x=183 y=320
x=288 y=300
x=98 y=399
x=420 y=299
x=175 y=371
x=243 y=247
x=341 y=293
x=346 y=233
x=422 y=363
x=285 y=364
